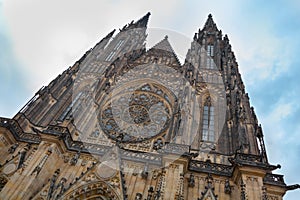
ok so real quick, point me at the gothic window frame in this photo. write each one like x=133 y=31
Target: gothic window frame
x=119 y=44
x=69 y=108
x=210 y=55
x=208 y=128
x=210 y=50
x=110 y=56
x=113 y=52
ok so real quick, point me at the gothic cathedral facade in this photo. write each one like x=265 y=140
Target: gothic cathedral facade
x=128 y=123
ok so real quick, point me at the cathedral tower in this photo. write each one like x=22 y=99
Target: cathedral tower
x=126 y=122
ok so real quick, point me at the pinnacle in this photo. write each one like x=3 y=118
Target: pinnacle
x=210 y=24
x=164 y=45
x=110 y=34
x=141 y=23
x=106 y=38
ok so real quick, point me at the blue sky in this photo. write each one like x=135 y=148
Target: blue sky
x=40 y=39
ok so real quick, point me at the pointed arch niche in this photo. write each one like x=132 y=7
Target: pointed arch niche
x=96 y=190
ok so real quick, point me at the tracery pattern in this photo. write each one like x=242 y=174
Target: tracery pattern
x=134 y=116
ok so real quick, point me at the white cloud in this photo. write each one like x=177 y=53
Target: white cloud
x=49 y=36
x=274 y=121
x=281 y=111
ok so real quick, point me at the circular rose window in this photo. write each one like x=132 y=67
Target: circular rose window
x=136 y=116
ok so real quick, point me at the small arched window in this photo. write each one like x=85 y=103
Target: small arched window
x=208 y=122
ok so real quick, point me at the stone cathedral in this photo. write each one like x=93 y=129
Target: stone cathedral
x=126 y=122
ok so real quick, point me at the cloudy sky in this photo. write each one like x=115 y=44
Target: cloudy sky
x=39 y=39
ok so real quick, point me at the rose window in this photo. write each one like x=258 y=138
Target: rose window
x=136 y=116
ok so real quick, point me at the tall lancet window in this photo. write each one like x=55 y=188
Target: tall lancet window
x=208 y=122
x=210 y=54
x=210 y=50
x=119 y=44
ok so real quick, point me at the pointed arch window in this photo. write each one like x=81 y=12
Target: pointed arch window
x=110 y=56
x=210 y=50
x=113 y=52
x=208 y=122
x=210 y=54
x=119 y=44
x=73 y=104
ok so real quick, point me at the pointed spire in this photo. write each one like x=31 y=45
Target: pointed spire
x=141 y=23
x=105 y=40
x=165 y=46
x=110 y=34
x=210 y=28
x=210 y=25
x=209 y=189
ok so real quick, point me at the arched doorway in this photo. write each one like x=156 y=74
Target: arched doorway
x=93 y=191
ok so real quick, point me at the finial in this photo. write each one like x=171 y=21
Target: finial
x=195 y=36
x=226 y=38
x=141 y=23
x=110 y=34
x=166 y=37
x=210 y=25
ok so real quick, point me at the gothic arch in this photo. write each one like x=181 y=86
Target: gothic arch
x=208 y=94
x=208 y=118
x=137 y=84
x=217 y=105
x=94 y=190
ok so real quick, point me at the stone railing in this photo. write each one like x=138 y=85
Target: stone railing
x=252 y=160
x=248 y=158
x=141 y=157
x=274 y=179
x=173 y=148
x=55 y=130
x=208 y=167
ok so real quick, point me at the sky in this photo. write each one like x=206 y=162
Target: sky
x=39 y=39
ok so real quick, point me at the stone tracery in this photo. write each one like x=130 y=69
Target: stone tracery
x=138 y=115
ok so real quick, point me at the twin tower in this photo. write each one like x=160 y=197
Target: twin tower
x=126 y=122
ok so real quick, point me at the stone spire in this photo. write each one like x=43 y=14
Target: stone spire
x=164 y=47
x=164 y=44
x=210 y=29
x=102 y=43
x=106 y=39
x=141 y=23
x=210 y=25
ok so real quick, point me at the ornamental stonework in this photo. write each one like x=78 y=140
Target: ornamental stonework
x=126 y=122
